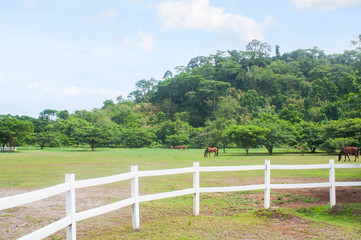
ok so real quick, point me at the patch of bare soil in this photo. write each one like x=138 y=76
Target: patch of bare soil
x=19 y=221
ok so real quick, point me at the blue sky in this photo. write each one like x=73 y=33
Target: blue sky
x=74 y=55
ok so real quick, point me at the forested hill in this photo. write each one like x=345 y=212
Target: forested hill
x=307 y=84
x=216 y=100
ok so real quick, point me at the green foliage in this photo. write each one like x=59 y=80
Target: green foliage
x=246 y=136
x=278 y=132
x=332 y=144
x=301 y=98
x=137 y=138
x=311 y=135
x=14 y=131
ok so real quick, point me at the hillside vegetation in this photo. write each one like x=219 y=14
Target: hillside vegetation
x=305 y=98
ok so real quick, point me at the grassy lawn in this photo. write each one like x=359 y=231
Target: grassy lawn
x=237 y=215
x=35 y=168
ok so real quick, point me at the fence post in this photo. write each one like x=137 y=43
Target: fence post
x=267 y=183
x=135 y=194
x=196 y=189
x=332 y=183
x=70 y=207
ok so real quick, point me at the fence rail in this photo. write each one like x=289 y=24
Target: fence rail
x=70 y=185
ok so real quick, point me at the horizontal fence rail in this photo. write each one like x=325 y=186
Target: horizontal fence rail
x=70 y=186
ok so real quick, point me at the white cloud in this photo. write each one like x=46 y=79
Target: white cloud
x=40 y=86
x=146 y=41
x=76 y=91
x=143 y=41
x=103 y=18
x=198 y=14
x=325 y=5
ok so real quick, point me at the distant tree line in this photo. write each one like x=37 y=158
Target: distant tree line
x=244 y=99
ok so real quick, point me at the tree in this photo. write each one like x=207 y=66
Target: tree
x=290 y=114
x=279 y=100
x=215 y=129
x=48 y=138
x=143 y=88
x=116 y=136
x=51 y=135
x=14 y=131
x=333 y=144
x=357 y=42
x=352 y=101
x=207 y=71
x=108 y=104
x=278 y=132
x=64 y=114
x=257 y=46
x=246 y=136
x=228 y=106
x=197 y=62
x=94 y=134
x=168 y=74
x=278 y=51
x=121 y=111
x=48 y=115
x=311 y=135
x=252 y=100
x=134 y=120
x=345 y=128
x=138 y=137
x=177 y=139
x=213 y=90
x=120 y=99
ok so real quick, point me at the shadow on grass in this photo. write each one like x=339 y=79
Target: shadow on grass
x=275 y=154
x=58 y=149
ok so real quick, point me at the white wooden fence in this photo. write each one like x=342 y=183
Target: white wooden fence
x=70 y=185
x=7 y=149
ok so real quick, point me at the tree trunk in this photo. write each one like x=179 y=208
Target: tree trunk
x=270 y=149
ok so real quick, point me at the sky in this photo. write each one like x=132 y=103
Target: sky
x=74 y=55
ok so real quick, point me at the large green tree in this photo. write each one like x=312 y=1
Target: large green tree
x=280 y=132
x=246 y=136
x=311 y=135
x=14 y=131
x=215 y=129
x=94 y=134
x=48 y=139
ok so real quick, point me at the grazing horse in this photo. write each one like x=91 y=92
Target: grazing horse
x=209 y=150
x=179 y=147
x=349 y=150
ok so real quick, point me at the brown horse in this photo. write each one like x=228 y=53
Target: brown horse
x=349 y=150
x=179 y=147
x=210 y=150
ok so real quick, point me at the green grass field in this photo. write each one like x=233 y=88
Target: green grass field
x=223 y=215
x=36 y=168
